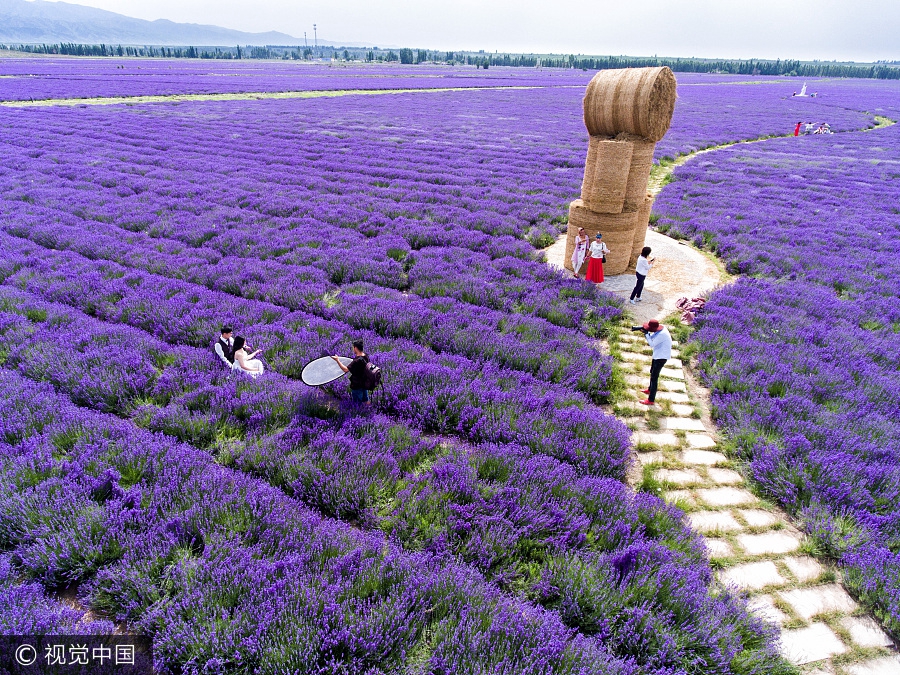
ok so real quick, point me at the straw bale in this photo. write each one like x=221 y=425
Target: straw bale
x=639 y=172
x=606 y=174
x=640 y=229
x=637 y=101
x=617 y=230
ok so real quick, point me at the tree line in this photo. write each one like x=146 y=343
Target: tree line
x=881 y=70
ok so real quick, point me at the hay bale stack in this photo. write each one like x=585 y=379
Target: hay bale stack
x=637 y=101
x=640 y=229
x=617 y=230
x=638 y=172
x=606 y=174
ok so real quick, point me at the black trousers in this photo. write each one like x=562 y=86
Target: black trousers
x=639 y=286
x=655 y=368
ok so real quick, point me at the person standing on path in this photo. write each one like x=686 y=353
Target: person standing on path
x=580 y=252
x=642 y=269
x=357 y=370
x=660 y=340
x=597 y=258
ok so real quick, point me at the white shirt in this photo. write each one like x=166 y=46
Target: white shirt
x=661 y=342
x=643 y=266
x=598 y=249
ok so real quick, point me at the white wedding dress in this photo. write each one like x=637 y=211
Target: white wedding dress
x=254 y=367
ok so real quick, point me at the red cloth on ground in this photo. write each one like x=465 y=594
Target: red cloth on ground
x=595 y=270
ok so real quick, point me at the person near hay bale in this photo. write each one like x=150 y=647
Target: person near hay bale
x=597 y=254
x=642 y=269
x=660 y=341
x=580 y=252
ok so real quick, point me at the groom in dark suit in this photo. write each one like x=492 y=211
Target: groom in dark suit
x=224 y=346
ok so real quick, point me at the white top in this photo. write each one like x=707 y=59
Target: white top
x=598 y=249
x=661 y=342
x=643 y=266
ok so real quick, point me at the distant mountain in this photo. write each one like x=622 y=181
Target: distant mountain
x=39 y=21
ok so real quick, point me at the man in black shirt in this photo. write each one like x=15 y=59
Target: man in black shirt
x=357 y=370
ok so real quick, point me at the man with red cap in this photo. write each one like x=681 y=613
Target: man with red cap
x=659 y=339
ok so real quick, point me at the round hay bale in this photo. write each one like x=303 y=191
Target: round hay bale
x=617 y=230
x=639 y=172
x=640 y=229
x=638 y=101
x=606 y=174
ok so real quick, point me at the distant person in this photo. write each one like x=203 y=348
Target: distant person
x=244 y=362
x=809 y=128
x=359 y=373
x=580 y=251
x=660 y=340
x=797 y=129
x=642 y=269
x=597 y=254
x=224 y=347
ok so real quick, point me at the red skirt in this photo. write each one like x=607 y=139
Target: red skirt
x=595 y=271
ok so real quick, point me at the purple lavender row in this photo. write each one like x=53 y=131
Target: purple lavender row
x=506 y=284
x=578 y=516
x=802 y=352
x=225 y=572
x=523 y=343
x=40 y=79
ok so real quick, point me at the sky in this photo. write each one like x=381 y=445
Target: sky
x=842 y=30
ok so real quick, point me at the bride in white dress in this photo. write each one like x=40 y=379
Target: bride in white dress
x=245 y=362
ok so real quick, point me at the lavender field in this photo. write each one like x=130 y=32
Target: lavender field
x=474 y=519
x=802 y=352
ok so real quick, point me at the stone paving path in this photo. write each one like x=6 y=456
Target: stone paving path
x=751 y=543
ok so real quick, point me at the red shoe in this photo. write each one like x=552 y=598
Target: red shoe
x=645 y=391
x=648 y=402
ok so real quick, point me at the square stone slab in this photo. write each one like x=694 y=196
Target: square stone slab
x=725 y=476
x=718 y=548
x=670 y=385
x=713 y=521
x=726 y=496
x=700 y=441
x=661 y=439
x=655 y=457
x=887 y=665
x=775 y=542
x=681 y=423
x=672 y=396
x=804 y=568
x=672 y=373
x=637 y=380
x=813 y=643
x=632 y=356
x=679 y=476
x=682 y=410
x=706 y=457
x=808 y=602
x=764 y=607
x=752 y=576
x=758 y=518
x=683 y=496
x=865 y=631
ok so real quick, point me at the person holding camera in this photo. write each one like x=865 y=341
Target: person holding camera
x=642 y=269
x=660 y=340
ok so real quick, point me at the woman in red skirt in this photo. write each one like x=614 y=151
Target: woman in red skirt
x=597 y=256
